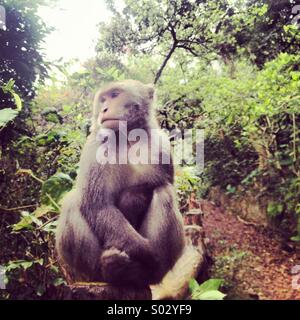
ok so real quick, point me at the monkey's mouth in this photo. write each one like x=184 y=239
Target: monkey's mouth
x=110 y=119
x=111 y=123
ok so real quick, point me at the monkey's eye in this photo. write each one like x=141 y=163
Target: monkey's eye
x=114 y=94
x=102 y=100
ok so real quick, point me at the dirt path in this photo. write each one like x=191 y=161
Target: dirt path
x=250 y=259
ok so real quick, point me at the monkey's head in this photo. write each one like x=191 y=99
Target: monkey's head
x=127 y=100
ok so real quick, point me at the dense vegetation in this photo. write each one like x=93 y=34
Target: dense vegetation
x=231 y=68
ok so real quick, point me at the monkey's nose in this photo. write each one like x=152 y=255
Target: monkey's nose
x=105 y=109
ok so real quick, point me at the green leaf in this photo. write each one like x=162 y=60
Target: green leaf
x=58 y=281
x=52 y=115
x=208 y=290
x=212 y=295
x=230 y=189
x=193 y=285
x=27 y=264
x=67 y=108
x=42 y=210
x=50 y=227
x=274 y=209
x=55 y=187
x=18 y=101
x=211 y=284
x=8 y=87
x=39 y=261
x=7 y=115
x=24 y=223
x=296 y=238
x=27 y=222
x=18 y=264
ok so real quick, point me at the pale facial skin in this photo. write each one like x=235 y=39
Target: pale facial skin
x=113 y=108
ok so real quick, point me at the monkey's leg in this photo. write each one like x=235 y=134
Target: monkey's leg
x=126 y=252
x=163 y=227
x=77 y=246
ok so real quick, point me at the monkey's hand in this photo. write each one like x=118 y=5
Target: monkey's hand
x=112 y=260
x=119 y=269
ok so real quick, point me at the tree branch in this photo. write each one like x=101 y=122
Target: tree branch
x=195 y=54
x=167 y=58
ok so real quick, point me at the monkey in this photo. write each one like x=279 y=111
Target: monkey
x=121 y=224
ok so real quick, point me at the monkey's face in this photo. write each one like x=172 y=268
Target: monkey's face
x=113 y=108
x=124 y=101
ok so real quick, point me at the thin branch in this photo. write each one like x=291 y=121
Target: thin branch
x=53 y=201
x=195 y=54
x=167 y=58
x=294 y=137
x=18 y=208
x=47 y=222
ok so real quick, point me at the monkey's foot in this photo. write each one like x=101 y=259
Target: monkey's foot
x=113 y=263
x=113 y=252
x=118 y=268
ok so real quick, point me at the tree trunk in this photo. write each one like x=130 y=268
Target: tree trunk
x=103 y=291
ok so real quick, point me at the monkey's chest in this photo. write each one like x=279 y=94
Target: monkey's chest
x=134 y=203
x=135 y=198
x=141 y=174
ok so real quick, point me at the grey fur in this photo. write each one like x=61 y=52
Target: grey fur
x=121 y=223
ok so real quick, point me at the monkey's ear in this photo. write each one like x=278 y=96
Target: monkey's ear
x=150 y=89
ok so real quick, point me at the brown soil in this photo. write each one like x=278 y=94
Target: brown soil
x=252 y=260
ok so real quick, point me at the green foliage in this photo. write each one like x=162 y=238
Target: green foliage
x=258 y=30
x=186 y=181
x=20 y=43
x=51 y=115
x=9 y=114
x=208 y=290
x=39 y=226
x=227 y=266
x=210 y=59
x=274 y=209
x=251 y=124
x=55 y=187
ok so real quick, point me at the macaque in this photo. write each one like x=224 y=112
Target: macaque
x=121 y=224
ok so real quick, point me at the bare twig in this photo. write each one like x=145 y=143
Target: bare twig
x=18 y=208
x=47 y=222
x=167 y=58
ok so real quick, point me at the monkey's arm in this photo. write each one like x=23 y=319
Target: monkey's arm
x=113 y=230
x=116 y=231
x=163 y=227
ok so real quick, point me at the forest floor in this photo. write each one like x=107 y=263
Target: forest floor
x=252 y=260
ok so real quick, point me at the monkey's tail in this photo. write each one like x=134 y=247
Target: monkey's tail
x=176 y=282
